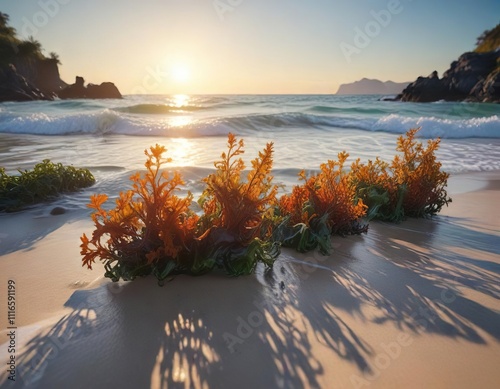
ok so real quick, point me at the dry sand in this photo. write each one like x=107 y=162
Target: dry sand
x=414 y=305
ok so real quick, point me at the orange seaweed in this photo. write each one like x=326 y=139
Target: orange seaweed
x=152 y=230
x=234 y=205
x=330 y=194
x=149 y=225
x=411 y=185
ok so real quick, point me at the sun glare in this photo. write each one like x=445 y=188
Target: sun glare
x=179 y=73
x=181 y=152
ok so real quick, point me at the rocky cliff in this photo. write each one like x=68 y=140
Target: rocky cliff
x=29 y=78
x=27 y=74
x=15 y=87
x=474 y=77
x=42 y=73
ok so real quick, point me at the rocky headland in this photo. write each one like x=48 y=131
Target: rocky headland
x=26 y=74
x=474 y=77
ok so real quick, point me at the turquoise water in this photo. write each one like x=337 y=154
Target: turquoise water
x=193 y=116
x=109 y=136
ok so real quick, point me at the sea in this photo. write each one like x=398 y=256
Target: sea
x=109 y=136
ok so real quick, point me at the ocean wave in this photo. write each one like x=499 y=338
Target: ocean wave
x=346 y=110
x=119 y=121
x=101 y=122
x=432 y=127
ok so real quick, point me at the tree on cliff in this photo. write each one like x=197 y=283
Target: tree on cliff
x=4 y=28
x=489 y=40
x=9 y=42
x=12 y=48
x=55 y=57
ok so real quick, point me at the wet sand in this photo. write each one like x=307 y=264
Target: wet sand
x=413 y=305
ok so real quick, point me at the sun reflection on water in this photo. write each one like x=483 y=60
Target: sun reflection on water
x=180 y=121
x=181 y=151
x=179 y=101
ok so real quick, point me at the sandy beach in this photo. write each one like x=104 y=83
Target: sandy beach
x=171 y=137
x=413 y=305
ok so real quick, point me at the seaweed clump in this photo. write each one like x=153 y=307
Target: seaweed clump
x=153 y=231
x=44 y=182
x=241 y=222
x=325 y=204
x=412 y=185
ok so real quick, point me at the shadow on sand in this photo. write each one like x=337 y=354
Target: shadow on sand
x=214 y=331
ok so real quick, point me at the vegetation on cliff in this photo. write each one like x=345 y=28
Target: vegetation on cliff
x=489 y=40
x=13 y=49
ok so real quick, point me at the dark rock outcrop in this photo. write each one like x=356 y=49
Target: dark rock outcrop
x=43 y=73
x=107 y=90
x=78 y=90
x=488 y=90
x=425 y=89
x=74 y=91
x=48 y=79
x=38 y=79
x=15 y=87
x=473 y=77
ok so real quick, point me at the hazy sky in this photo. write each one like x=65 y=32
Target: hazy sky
x=251 y=46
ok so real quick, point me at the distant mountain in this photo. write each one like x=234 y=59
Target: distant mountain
x=368 y=86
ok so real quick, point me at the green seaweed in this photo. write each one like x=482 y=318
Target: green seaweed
x=44 y=182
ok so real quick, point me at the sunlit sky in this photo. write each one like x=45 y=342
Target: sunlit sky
x=250 y=46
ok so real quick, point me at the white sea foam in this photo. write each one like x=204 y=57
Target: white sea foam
x=431 y=127
x=40 y=123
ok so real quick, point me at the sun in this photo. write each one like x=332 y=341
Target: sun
x=180 y=73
